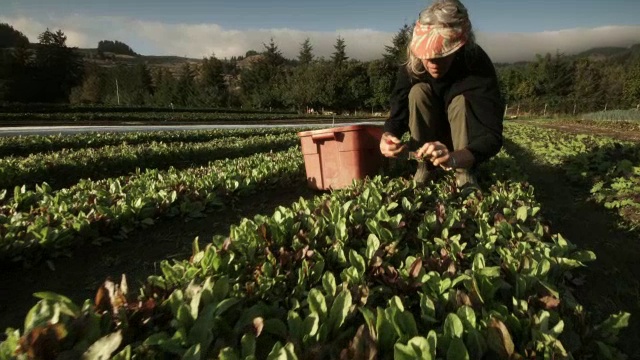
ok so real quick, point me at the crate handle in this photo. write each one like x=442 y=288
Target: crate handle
x=323 y=136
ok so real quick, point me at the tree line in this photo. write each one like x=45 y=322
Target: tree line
x=52 y=72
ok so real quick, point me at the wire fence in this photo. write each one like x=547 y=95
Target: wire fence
x=550 y=109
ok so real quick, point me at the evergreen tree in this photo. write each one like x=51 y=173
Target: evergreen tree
x=186 y=86
x=58 y=68
x=396 y=54
x=339 y=57
x=262 y=85
x=212 y=86
x=12 y=38
x=305 y=57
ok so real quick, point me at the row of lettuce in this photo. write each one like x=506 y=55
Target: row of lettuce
x=437 y=219
x=20 y=146
x=382 y=269
x=47 y=222
x=608 y=168
x=64 y=168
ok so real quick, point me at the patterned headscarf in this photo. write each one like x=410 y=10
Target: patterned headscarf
x=436 y=41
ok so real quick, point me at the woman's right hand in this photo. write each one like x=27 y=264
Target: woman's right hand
x=391 y=146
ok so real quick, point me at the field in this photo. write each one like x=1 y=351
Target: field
x=209 y=244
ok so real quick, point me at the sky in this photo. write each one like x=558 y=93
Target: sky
x=509 y=30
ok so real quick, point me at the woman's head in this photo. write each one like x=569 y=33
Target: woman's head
x=441 y=30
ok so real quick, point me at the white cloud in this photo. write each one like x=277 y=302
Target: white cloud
x=198 y=40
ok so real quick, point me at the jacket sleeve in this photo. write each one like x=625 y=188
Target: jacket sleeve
x=398 y=121
x=484 y=112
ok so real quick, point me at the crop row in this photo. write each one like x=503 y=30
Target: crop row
x=618 y=125
x=31 y=144
x=44 y=222
x=610 y=168
x=66 y=167
x=614 y=115
x=154 y=116
x=383 y=269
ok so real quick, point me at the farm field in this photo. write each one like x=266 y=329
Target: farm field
x=228 y=254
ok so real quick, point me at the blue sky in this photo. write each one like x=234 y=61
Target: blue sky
x=88 y=21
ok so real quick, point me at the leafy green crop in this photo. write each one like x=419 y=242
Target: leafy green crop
x=31 y=144
x=609 y=167
x=383 y=269
x=65 y=168
x=44 y=222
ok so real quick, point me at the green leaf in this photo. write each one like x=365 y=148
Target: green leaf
x=467 y=316
x=521 y=213
x=221 y=288
x=384 y=329
x=476 y=344
x=193 y=353
x=296 y=325
x=373 y=244
x=104 y=347
x=124 y=354
x=339 y=310
x=329 y=283
x=457 y=350
x=317 y=303
x=248 y=343
x=278 y=352
x=478 y=262
x=427 y=308
x=584 y=256
x=610 y=328
x=311 y=324
x=357 y=261
x=276 y=327
x=228 y=353
x=453 y=327
x=66 y=305
x=418 y=347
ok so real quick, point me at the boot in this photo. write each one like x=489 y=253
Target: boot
x=422 y=174
x=466 y=181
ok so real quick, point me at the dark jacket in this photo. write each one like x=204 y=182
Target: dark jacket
x=471 y=75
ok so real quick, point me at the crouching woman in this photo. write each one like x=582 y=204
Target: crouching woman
x=447 y=96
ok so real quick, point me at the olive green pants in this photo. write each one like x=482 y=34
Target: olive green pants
x=429 y=121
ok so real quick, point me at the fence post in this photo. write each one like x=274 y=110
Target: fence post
x=574 y=109
x=605 y=106
x=545 y=110
x=518 y=111
x=506 y=108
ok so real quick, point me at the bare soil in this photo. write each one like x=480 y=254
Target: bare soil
x=79 y=276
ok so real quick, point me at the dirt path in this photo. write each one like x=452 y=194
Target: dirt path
x=612 y=281
x=138 y=257
x=586 y=129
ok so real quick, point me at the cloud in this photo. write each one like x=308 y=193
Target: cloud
x=199 y=40
x=509 y=47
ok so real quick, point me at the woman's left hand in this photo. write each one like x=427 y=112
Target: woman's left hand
x=436 y=152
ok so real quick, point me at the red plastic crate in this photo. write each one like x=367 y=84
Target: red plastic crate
x=334 y=157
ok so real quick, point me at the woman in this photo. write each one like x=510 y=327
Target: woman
x=446 y=96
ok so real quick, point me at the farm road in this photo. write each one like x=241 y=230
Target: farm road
x=79 y=129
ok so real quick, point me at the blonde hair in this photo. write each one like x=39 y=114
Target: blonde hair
x=441 y=12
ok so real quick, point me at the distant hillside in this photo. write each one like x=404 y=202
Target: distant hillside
x=610 y=52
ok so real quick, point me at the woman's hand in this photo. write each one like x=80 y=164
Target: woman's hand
x=391 y=146
x=436 y=152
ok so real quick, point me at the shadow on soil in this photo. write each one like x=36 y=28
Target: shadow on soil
x=138 y=257
x=612 y=280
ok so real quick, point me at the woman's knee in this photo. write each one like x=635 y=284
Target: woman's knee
x=457 y=109
x=420 y=92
